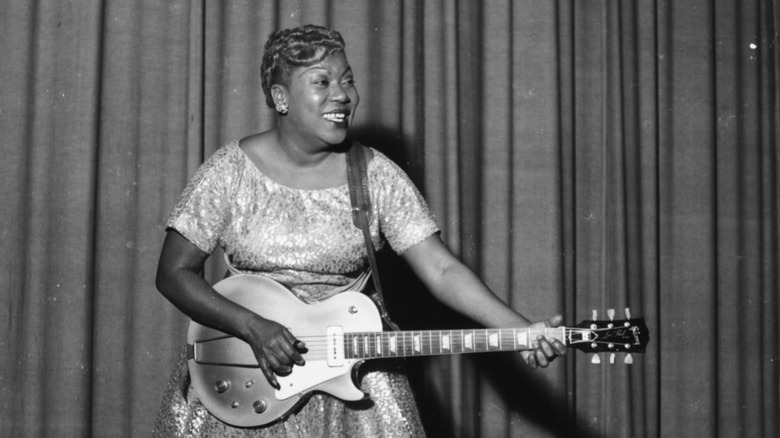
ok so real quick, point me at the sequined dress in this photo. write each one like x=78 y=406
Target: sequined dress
x=305 y=240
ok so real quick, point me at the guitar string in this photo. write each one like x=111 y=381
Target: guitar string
x=505 y=336
x=409 y=343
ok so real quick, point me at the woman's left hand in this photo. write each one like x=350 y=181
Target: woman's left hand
x=547 y=349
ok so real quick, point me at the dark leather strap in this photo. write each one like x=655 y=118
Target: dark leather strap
x=360 y=198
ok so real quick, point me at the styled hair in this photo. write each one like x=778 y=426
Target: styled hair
x=288 y=49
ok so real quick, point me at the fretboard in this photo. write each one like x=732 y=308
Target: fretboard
x=368 y=345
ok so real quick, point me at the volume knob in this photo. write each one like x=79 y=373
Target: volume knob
x=221 y=386
x=260 y=406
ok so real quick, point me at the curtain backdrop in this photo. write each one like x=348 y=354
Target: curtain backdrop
x=580 y=155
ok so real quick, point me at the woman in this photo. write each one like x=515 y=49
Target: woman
x=278 y=203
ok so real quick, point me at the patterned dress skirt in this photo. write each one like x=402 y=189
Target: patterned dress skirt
x=389 y=411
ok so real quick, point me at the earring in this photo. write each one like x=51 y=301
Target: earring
x=281 y=108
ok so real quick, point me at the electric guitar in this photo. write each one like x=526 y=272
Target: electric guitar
x=340 y=333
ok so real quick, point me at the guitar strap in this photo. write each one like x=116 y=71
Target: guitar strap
x=360 y=198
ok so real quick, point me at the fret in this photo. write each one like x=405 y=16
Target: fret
x=351 y=347
x=435 y=342
x=480 y=343
x=457 y=342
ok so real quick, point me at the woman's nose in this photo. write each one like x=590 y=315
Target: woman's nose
x=339 y=94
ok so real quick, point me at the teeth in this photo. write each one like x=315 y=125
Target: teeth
x=334 y=117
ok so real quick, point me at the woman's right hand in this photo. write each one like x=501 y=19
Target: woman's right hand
x=275 y=348
x=178 y=279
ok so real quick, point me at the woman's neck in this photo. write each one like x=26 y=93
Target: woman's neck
x=292 y=164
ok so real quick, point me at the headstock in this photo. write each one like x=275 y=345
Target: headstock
x=628 y=335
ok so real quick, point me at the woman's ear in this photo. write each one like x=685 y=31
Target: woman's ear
x=279 y=94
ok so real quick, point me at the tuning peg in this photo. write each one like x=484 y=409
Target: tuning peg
x=628 y=359
x=595 y=359
x=595 y=314
x=628 y=313
x=611 y=314
x=612 y=358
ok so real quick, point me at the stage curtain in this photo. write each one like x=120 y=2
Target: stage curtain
x=580 y=156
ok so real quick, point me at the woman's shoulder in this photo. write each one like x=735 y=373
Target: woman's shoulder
x=228 y=155
x=223 y=165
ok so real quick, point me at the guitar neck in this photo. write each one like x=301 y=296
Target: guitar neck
x=370 y=345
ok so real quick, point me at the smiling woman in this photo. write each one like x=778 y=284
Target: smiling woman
x=279 y=205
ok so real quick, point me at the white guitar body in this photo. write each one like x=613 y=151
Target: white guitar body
x=225 y=373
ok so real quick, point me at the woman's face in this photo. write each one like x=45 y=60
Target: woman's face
x=322 y=99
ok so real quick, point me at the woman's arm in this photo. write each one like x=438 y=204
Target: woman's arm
x=179 y=280
x=452 y=283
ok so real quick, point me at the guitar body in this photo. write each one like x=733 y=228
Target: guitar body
x=224 y=371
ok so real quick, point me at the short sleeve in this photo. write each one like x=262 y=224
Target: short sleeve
x=205 y=205
x=404 y=217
